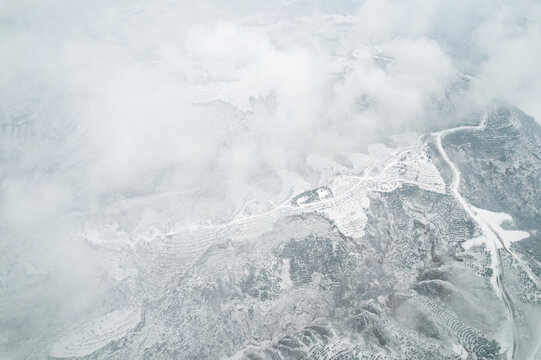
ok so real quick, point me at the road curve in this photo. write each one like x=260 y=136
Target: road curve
x=492 y=237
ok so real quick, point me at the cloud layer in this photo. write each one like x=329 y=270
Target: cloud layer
x=105 y=101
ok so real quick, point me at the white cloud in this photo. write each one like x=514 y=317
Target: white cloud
x=101 y=101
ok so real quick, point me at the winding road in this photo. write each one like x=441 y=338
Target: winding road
x=492 y=237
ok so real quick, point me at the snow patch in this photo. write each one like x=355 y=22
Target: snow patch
x=96 y=333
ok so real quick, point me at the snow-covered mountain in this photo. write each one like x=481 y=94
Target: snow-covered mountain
x=425 y=251
x=285 y=179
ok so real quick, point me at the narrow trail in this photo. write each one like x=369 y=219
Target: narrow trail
x=492 y=237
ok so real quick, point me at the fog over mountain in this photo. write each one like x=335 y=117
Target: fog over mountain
x=281 y=179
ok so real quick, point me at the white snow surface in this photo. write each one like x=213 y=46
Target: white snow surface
x=96 y=333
